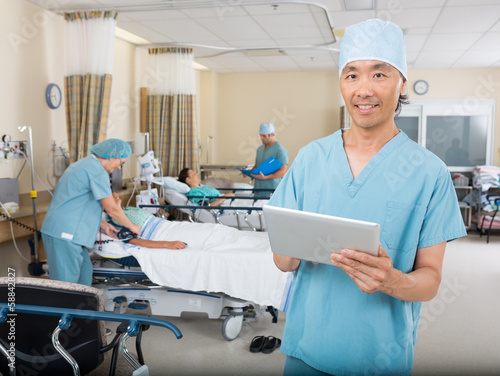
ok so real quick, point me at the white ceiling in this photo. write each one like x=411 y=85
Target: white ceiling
x=227 y=35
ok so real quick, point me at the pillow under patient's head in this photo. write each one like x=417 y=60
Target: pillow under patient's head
x=175 y=185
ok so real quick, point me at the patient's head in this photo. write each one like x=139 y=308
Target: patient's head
x=189 y=177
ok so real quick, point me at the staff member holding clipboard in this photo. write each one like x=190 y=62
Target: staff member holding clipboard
x=269 y=148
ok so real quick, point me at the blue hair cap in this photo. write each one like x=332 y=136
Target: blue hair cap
x=111 y=148
x=374 y=40
x=266 y=128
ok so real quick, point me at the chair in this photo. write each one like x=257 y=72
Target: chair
x=494 y=200
x=33 y=311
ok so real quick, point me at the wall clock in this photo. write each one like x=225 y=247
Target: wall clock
x=421 y=87
x=53 y=96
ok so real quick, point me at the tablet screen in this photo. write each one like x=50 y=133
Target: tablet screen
x=313 y=237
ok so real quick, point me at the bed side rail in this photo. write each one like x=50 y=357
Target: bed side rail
x=230 y=198
x=207 y=207
x=216 y=211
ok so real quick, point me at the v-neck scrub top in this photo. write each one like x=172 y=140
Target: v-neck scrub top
x=331 y=325
x=75 y=211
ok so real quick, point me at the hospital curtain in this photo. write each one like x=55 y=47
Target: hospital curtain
x=171 y=115
x=89 y=47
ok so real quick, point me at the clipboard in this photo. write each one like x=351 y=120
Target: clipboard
x=268 y=167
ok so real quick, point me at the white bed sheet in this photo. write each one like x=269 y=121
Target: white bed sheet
x=217 y=259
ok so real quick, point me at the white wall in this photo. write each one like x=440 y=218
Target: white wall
x=31 y=46
x=32 y=57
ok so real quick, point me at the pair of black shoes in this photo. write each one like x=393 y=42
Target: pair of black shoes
x=264 y=344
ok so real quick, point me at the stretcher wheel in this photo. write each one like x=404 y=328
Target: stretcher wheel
x=231 y=327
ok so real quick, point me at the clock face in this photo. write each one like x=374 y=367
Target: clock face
x=53 y=96
x=421 y=87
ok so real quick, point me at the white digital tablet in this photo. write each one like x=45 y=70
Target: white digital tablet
x=313 y=237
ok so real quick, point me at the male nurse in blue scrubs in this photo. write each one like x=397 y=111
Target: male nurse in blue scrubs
x=75 y=212
x=359 y=316
x=270 y=148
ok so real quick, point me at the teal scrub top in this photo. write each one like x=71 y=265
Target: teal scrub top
x=202 y=191
x=331 y=325
x=277 y=151
x=75 y=211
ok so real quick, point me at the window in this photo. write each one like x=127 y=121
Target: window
x=460 y=132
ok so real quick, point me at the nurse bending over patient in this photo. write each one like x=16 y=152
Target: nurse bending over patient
x=74 y=215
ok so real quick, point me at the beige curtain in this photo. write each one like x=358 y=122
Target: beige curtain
x=171 y=115
x=87 y=83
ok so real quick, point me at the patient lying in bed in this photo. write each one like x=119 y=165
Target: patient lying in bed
x=191 y=178
x=216 y=258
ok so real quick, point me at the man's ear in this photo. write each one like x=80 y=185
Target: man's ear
x=402 y=89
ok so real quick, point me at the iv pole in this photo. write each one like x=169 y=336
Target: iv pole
x=33 y=193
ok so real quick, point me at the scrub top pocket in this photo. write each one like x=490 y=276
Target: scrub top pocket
x=402 y=226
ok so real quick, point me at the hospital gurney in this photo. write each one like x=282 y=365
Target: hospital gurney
x=69 y=314
x=242 y=211
x=132 y=288
x=221 y=272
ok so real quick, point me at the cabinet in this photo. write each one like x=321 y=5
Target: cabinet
x=465 y=208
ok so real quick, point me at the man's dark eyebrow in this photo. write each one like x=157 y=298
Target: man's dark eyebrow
x=384 y=66
x=378 y=66
x=349 y=68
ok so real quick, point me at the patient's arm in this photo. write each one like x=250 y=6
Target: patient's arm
x=219 y=201
x=157 y=244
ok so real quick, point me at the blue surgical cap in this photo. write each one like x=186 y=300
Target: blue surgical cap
x=112 y=148
x=374 y=40
x=266 y=128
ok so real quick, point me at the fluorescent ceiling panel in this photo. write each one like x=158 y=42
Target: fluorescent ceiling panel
x=359 y=4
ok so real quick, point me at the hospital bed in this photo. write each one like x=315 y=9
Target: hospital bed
x=232 y=279
x=51 y=327
x=234 y=213
x=242 y=211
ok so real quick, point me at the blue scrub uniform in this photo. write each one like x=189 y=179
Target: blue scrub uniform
x=277 y=151
x=331 y=325
x=73 y=219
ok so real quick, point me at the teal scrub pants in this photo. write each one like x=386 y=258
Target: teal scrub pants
x=68 y=261
x=296 y=367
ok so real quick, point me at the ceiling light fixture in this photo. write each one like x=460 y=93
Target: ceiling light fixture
x=198 y=66
x=129 y=37
x=359 y=4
